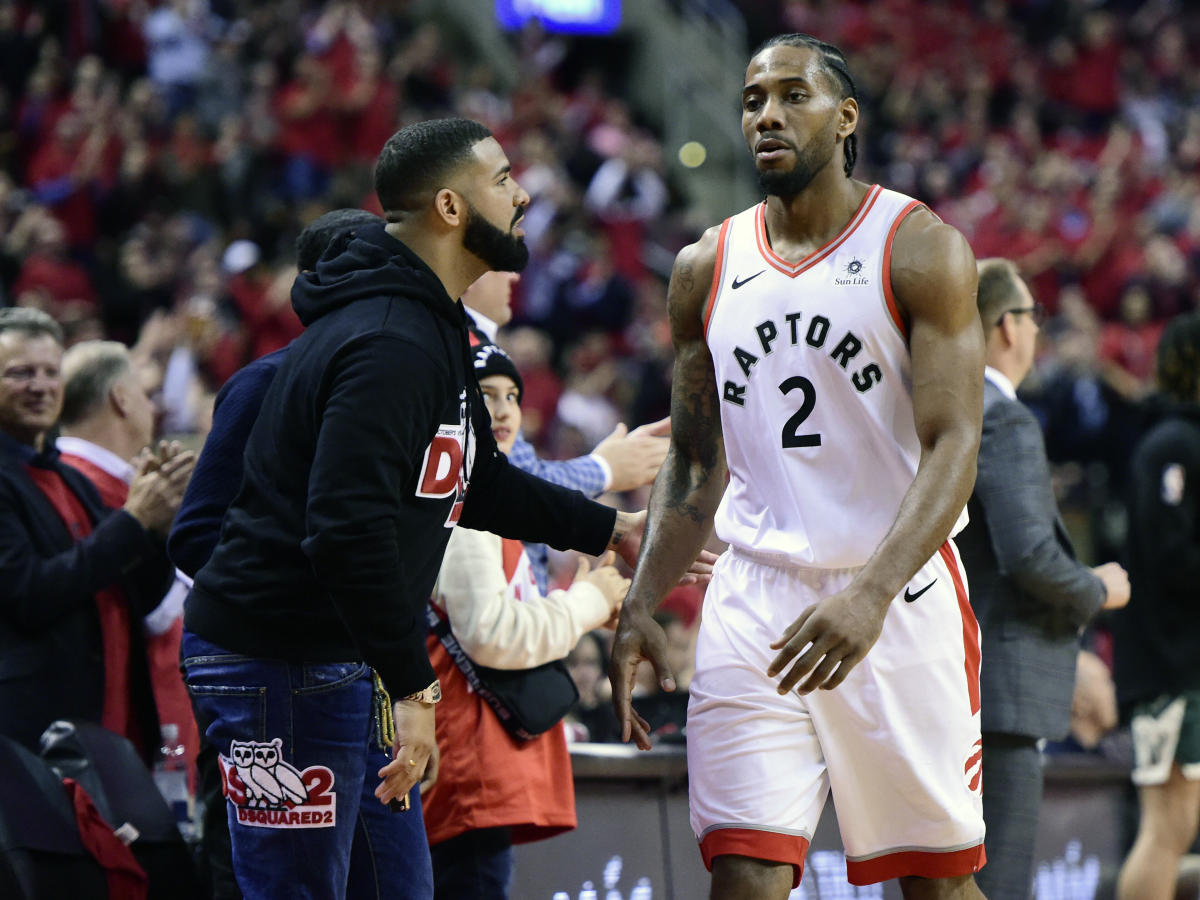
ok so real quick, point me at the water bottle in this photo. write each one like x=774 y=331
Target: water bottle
x=171 y=777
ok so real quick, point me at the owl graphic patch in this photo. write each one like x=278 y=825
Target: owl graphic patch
x=269 y=792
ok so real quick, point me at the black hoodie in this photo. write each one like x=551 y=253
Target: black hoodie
x=1157 y=636
x=372 y=442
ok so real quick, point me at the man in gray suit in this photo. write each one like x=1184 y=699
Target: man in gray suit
x=1031 y=595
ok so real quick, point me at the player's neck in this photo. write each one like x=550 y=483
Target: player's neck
x=817 y=214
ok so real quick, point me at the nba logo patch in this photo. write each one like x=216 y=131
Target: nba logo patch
x=269 y=792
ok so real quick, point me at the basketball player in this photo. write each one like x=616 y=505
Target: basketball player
x=830 y=358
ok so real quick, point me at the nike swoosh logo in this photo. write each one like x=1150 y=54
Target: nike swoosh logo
x=909 y=596
x=737 y=283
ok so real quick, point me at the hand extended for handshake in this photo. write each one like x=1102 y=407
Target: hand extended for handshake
x=161 y=476
x=635 y=456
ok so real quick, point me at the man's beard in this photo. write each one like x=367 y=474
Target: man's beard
x=775 y=183
x=813 y=157
x=503 y=251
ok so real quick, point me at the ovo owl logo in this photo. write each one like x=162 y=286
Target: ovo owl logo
x=269 y=792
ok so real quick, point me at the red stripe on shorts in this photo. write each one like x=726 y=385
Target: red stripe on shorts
x=921 y=863
x=756 y=844
x=970 y=626
x=975 y=761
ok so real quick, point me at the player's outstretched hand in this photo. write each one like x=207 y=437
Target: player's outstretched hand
x=638 y=638
x=840 y=629
x=415 y=744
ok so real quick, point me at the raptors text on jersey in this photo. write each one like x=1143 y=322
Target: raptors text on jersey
x=814 y=374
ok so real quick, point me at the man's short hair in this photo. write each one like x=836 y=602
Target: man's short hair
x=999 y=290
x=336 y=226
x=31 y=322
x=416 y=159
x=90 y=369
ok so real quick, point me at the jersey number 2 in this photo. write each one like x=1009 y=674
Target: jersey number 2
x=791 y=428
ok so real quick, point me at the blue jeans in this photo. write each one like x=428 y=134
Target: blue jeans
x=298 y=761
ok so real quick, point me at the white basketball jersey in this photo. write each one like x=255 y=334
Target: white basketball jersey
x=814 y=374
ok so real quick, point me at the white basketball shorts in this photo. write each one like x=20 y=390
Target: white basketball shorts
x=898 y=742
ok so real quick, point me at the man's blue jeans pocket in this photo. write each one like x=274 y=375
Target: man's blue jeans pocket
x=291 y=739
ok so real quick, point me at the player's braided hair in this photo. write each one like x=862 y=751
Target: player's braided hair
x=1179 y=358
x=834 y=63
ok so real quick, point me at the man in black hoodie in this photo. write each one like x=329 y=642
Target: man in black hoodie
x=373 y=441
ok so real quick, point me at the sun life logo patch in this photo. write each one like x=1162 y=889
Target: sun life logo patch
x=853 y=271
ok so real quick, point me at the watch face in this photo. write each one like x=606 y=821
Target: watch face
x=431 y=694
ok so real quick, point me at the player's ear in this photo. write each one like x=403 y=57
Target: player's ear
x=847 y=117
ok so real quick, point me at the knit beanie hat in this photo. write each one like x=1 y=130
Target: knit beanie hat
x=491 y=360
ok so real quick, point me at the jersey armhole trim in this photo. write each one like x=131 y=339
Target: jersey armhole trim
x=889 y=296
x=718 y=274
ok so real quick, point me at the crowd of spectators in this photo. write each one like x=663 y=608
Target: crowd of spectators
x=157 y=160
x=161 y=158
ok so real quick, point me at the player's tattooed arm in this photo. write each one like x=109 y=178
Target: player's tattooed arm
x=692 y=479
x=686 y=492
x=695 y=424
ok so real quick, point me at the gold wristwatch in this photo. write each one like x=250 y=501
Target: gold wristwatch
x=431 y=694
